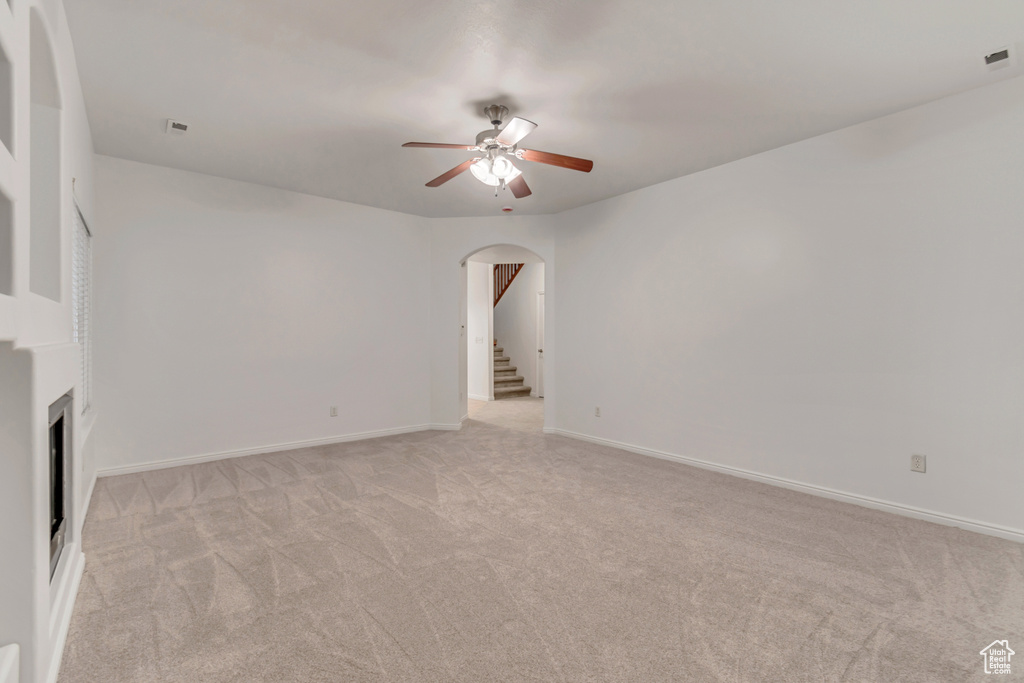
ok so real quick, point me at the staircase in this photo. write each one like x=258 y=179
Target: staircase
x=506 y=382
x=504 y=274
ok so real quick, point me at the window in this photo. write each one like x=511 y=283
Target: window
x=81 y=294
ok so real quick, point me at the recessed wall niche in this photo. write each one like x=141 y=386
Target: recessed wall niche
x=44 y=189
x=6 y=245
x=6 y=102
x=7 y=138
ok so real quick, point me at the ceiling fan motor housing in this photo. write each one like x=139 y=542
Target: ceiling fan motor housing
x=483 y=137
x=485 y=141
x=496 y=113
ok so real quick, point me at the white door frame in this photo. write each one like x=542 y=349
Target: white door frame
x=540 y=344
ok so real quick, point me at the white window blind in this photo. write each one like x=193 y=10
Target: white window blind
x=81 y=294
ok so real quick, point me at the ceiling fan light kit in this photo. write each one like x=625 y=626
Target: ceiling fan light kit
x=481 y=170
x=495 y=169
x=501 y=167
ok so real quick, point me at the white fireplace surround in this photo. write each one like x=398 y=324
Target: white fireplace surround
x=51 y=371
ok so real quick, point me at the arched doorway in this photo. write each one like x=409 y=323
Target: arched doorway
x=502 y=360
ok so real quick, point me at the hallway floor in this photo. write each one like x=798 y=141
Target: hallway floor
x=524 y=414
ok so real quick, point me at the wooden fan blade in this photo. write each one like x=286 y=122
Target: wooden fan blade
x=574 y=163
x=514 y=131
x=438 y=145
x=519 y=187
x=448 y=175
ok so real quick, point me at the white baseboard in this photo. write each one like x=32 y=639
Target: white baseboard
x=480 y=397
x=84 y=509
x=447 y=427
x=822 y=491
x=63 y=606
x=271 y=448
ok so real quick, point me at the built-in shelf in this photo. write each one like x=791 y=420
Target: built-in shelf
x=6 y=245
x=6 y=100
x=8 y=312
x=45 y=175
x=7 y=42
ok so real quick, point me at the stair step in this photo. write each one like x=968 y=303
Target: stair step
x=509 y=392
x=507 y=384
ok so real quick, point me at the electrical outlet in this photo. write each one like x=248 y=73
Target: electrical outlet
x=917 y=463
x=597 y=412
x=334 y=411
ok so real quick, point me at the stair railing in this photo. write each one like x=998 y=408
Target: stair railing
x=504 y=274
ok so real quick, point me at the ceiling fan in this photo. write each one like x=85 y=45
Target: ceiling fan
x=494 y=168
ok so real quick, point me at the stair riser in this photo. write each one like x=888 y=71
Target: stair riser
x=507 y=384
x=525 y=391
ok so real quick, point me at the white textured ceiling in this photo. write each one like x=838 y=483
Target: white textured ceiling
x=318 y=95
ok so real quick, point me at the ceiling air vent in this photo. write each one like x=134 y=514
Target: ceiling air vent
x=176 y=127
x=998 y=59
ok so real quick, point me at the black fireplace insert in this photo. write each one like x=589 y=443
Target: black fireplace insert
x=60 y=451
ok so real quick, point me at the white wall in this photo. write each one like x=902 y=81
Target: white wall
x=231 y=316
x=820 y=312
x=479 y=331
x=515 y=322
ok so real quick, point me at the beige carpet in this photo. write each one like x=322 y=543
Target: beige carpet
x=500 y=554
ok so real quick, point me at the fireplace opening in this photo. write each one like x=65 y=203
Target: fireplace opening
x=60 y=450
